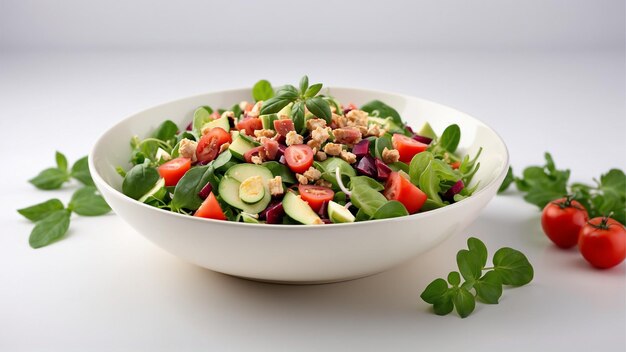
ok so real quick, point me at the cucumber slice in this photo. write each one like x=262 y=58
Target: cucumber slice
x=222 y=123
x=241 y=172
x=427 y=131
x=154 y=191
x=339 y=214
x=241 y=145
x=268 y=121
x=300 y=210
x=252 y=190
x=229 y=191
x=249 y=218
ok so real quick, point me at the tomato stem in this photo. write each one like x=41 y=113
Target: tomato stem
x=603 y=225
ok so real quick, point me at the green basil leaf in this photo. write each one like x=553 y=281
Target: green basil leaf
x=362 y=181
x=450 y=138
x=543 y=184
x=444 y=305
x=281 y=170
x=50 y=229
x=297 y=115
x=39 y=211
x=391 y=209
x=418 y=164
x=166 y=131
x=61 y=161
x=319 y=107
x=434 y=291
x=454 y=278
x=80 y=171
x=139 y=180
x=275 y=104
x=201 y=116
x=513 y=267
x=489 y=288
x=429 y=184
x=367 y=199
x=222 y=160
x=313 y=90
x=87 y=201
x=469 y=264
x=377 y=108
x=464 y=302
x=304 y=84
x=288 y=92
x=187 y=189
x=508 y=179
x=51 y=178
x=477 y=247
x=262 y=90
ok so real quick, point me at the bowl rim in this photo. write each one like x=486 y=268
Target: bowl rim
x=100 y=182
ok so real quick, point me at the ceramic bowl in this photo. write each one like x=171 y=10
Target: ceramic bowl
x=298 y=253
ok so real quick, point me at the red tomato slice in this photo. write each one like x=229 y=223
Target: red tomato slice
x=455 y=165
x=283 y=126
x=315 y=195
x=407 y=147
x=299 y=157
x=173 y=170
x=210 y=209
x=250 y=124
x=210 y=143
x=400 y=189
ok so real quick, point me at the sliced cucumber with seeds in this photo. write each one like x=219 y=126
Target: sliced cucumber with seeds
x=252 y=190
x=229 y=191
x=241 y=145
x=300 y=210
x=155 y=191
x=339 y=214
x=222 y=123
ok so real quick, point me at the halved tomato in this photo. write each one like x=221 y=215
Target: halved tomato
x=299 y=157
x=315 y=195
x=210 y=143
x=407 y=147
x=210 y=209
x=173 y=170
x=400 y=189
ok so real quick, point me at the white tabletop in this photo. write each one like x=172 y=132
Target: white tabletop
x=106 y=288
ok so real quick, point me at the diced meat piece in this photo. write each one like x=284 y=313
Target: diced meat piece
x=312 y=174
x=333 y=149
x=276 y=186
x=270 y=148
x=348 y=157
x=313 y=124
x=347 y=135
x=390 y=155
x=283 y=126
x=293 y=138
x=187 y=149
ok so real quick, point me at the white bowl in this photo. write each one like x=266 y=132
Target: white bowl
x=293 y=253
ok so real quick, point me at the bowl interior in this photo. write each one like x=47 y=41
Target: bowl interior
x=113 y=147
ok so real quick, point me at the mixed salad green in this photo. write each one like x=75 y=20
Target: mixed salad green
x=295 y=156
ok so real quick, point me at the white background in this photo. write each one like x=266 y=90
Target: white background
x=547 y=75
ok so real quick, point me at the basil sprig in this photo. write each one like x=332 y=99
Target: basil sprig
x=55 y=177
x=303 y=96
x=52 y=218
x=510 y=267
x=543 y=184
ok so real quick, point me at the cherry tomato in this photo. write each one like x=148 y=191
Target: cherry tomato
x=562 y=220
x=407 y=147
x=299 y=157
x=210 y=143
x=283 y=126
x=250 y=124
x=602 y=242
x=315 y=195
x=400 y=189
x=210 y=209
x=173 y=170
x=455 y=165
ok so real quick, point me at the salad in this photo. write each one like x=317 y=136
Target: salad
x=295 y=156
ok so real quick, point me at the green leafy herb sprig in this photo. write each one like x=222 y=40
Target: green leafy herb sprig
x=543 y=184
x=510 y=267
x=303 y=96
x=52 y=218
x=55 y=177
